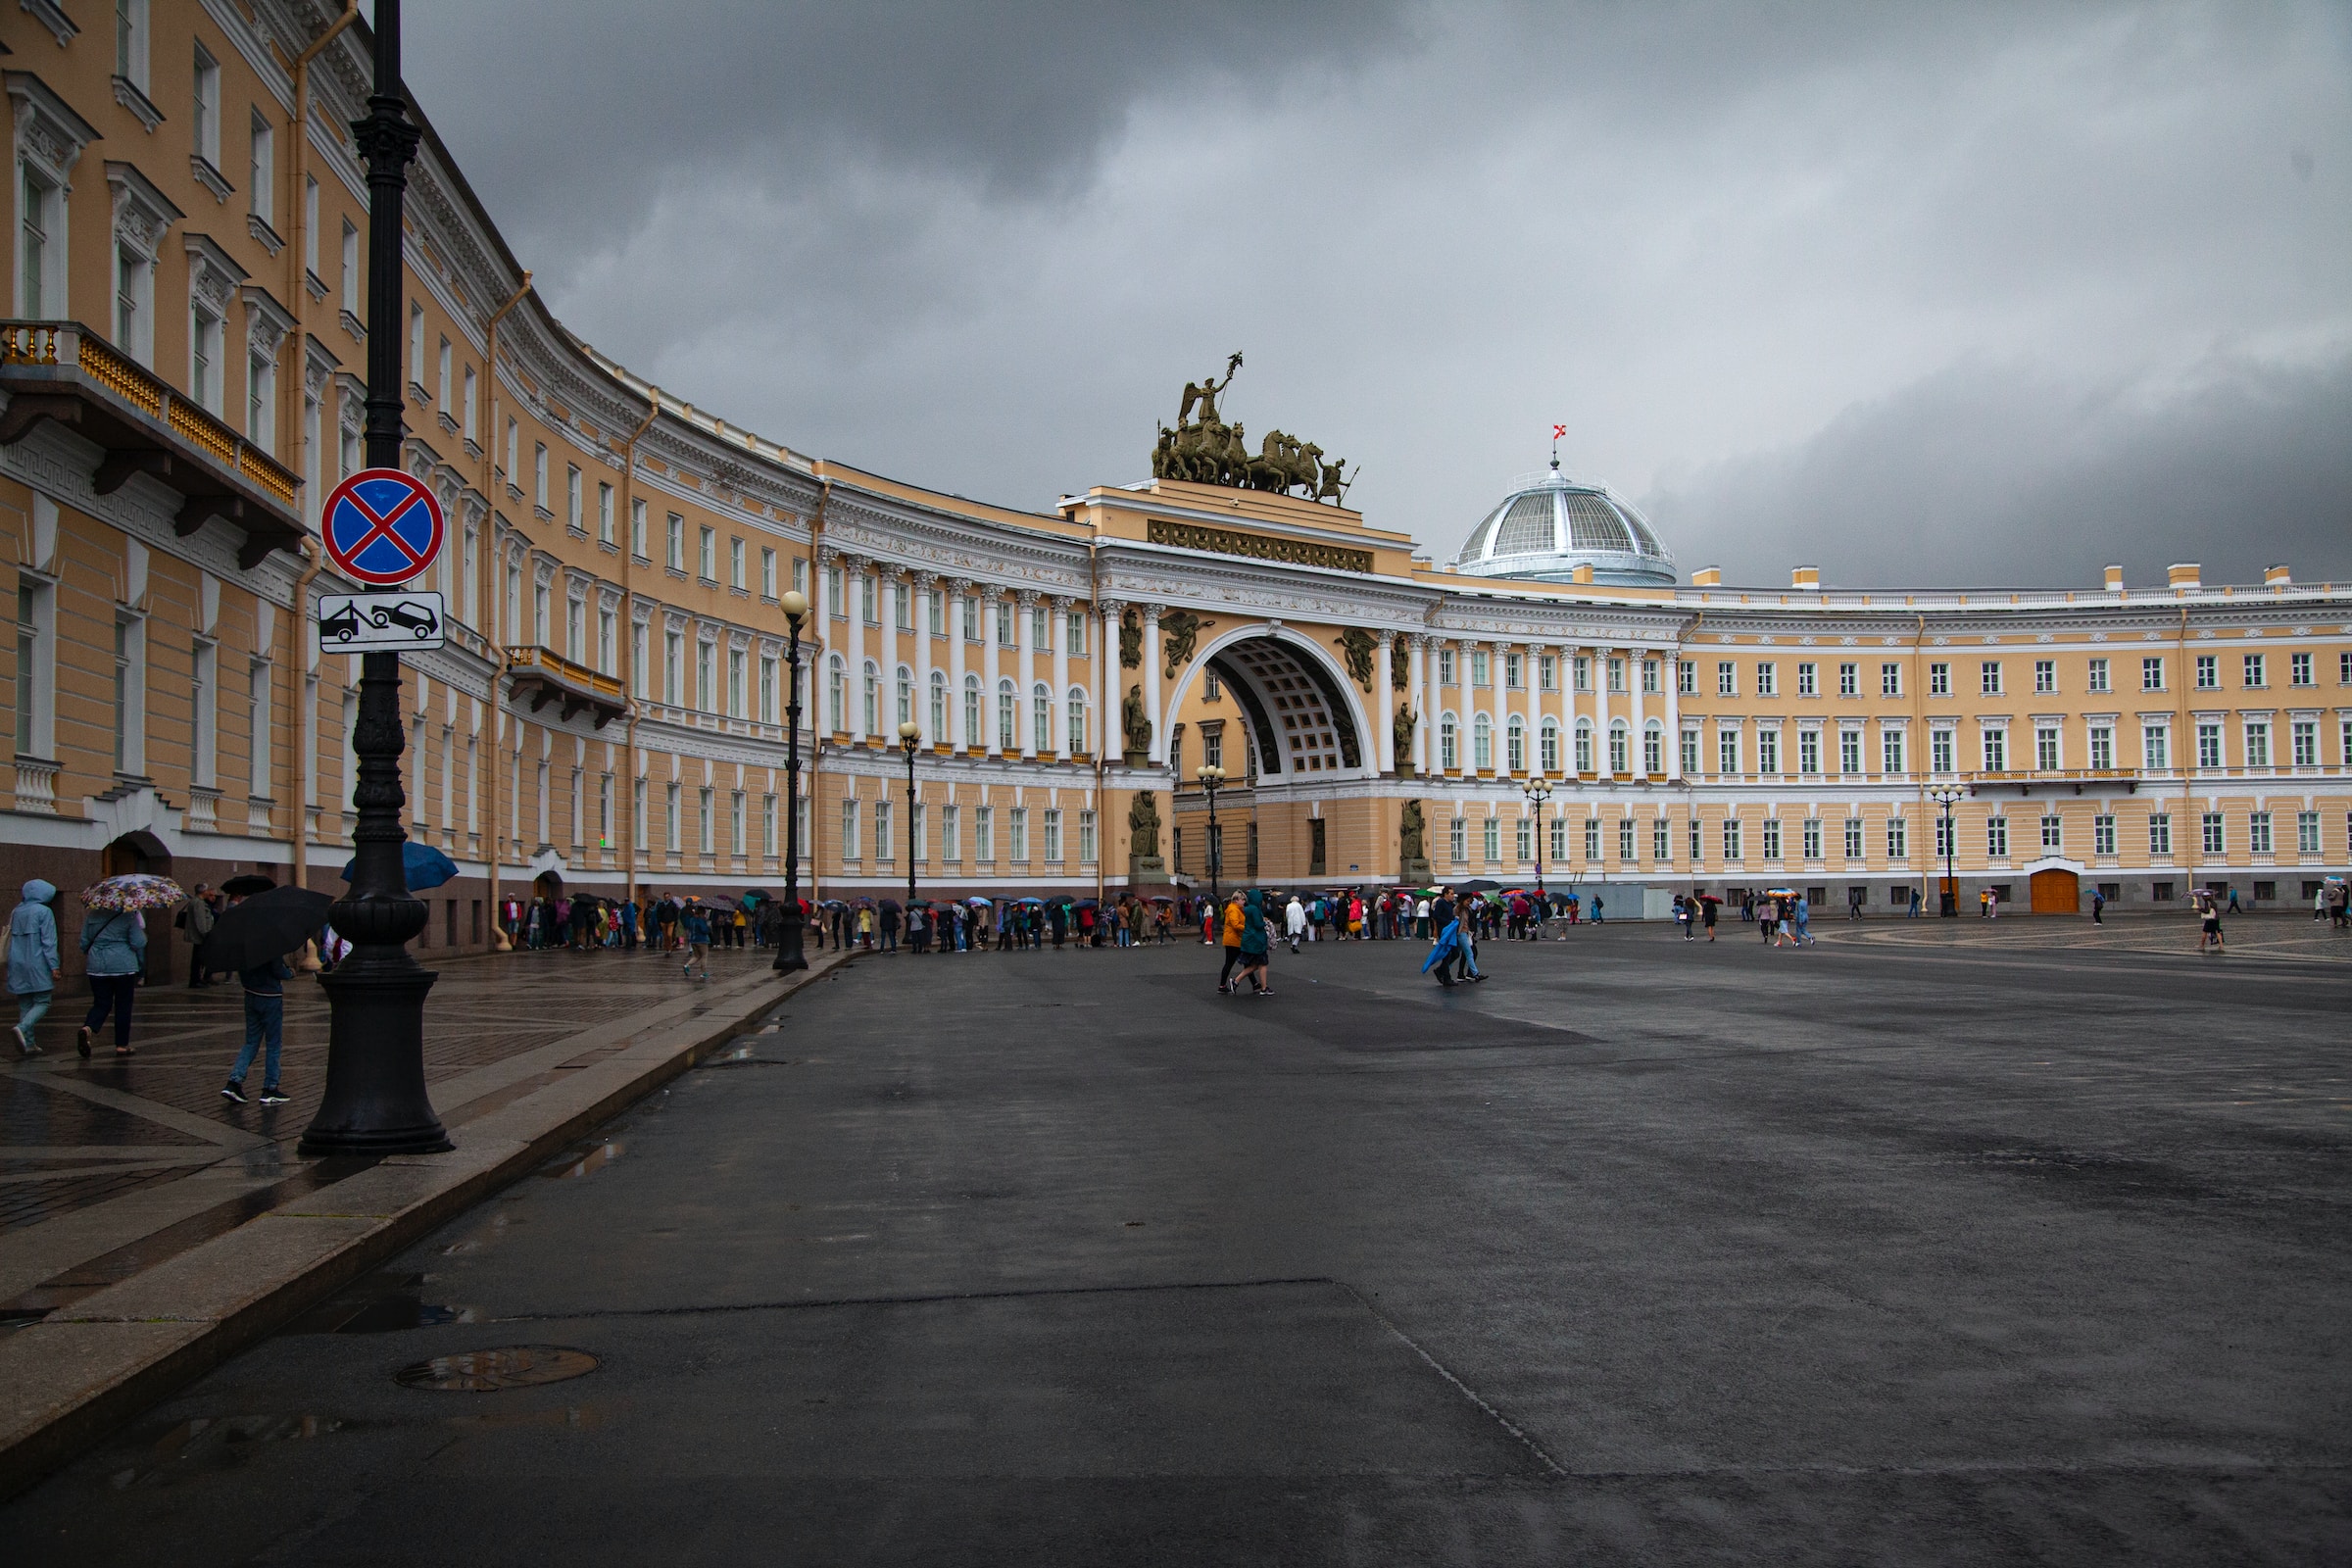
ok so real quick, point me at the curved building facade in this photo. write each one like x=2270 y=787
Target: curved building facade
x=183 y=384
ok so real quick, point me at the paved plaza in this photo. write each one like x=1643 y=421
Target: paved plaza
x=2011 y=1251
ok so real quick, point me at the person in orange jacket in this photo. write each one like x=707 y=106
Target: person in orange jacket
x=1232 y=929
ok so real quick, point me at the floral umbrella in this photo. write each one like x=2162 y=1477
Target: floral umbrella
x=136 y=890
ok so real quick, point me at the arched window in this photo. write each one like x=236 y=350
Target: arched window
x=1551 y=746
x=1482 y=743
x=973 y=732
x=1007 y=712
x=1041 y=716
x=837 y=689
x=1514 y=745
x=939 y=705
x=1077 y=720
x=905 y=695
x=1450 y=742
x=873 y=682
x=1583 y=746
x=1617 y=756
x=1653 y=749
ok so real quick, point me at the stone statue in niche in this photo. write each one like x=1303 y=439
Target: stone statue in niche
x=1135 y=723
x=1131 y=641
x=1407 y=723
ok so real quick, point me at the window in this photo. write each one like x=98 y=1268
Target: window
x=1625 y=839
x=203 y=357
x=706 y=557
x=1726 y=679
x=767 y=575
x=1767 y=680
x=260 y=400
x=2307 y=832
x=1853 y=837
x=2102 y=834
x=261 y=170
x=1939 y=680
x=1690 y=752
x=1007 y=717
x=1581 y=674
x=1616 y=674
x=351 y=278
x=1850 y=680
x=735 y=565
x=416 y=363
x=131 y=695
x=1592 y=838
x=1808 y=679
x=848 y=830
x=2045 y=676
x=2214 y=836
x=2053 y=833
x=1697 y=854
x=259 y=732
x=1548 y=674
x=2046 y=748
x=1478 y=667
x=1040 y=717
x=1650 y=676
x=1654 y=746
x=205 y=109
x=1515 y=745
x=539 y=475
x=1454 y=841
x=1727 y=750
x=950 y=833
x=1617 y=747
x=1559 y=838
x=467 y=399
x=767 y=825
x=971 y=710
x=2258 y=833
x=706 y=681
x=1051 y=822
x=1074 y=635
x=882 y=846
x=1686 y=676
x=1514 y=673
x=984 y=833
x=971 y=618
x=1989 y=677
x=2256 y=670
x=1584 y=746
x=2258 y=744
x=36 y=670
x=1899 y=839
x=2298 y=670
x=2096 y=676
x=1482 y=743
x=2209 y=673
x=2160 y=835
x=1808 y=750
x=1006 y=637
x=1996 y=751
x=2151 y=674
x=574 y=512
x=736 y=662
x=1768 y=751
x=2155 y=752
x=677 y=547
x=134 y=304
x=1945 y=838
x=130 y=42
x=2306 y=735
x=1549 y=746
x=1849 y=750
x=1996 y=837
x=1731 y=838
x=1772 y=837
x=1812 y=838
x=1077 y=721
x=1890 y=749
x=2209 y=746
x=1890 y=680
x=1445 y=667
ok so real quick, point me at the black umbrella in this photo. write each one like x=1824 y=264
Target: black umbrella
x=1482 y=885
x=246 y=886
x=268 y=925
x=891 y=904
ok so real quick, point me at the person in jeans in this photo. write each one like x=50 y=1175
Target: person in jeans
x=114 y=949
x=265 y=1024
x=698 y=941
x=33 y=968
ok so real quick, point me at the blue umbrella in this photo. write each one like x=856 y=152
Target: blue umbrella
x=423 y=865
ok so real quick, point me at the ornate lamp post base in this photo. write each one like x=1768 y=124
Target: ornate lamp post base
x=375 y=1100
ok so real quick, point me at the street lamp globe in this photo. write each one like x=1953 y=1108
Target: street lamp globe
x=910 y=732
x=793 y=602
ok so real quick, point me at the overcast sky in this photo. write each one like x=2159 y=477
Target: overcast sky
x=1976 y=293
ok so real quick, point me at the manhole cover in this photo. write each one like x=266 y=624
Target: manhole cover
x=512 y=1366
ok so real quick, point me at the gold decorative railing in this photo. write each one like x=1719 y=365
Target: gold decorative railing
x=548 y=662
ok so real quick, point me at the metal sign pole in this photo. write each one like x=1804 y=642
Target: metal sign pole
x=376 y=1099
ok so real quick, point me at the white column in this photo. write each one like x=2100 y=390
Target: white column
x=852 y=593
x=1633 y=685
x=1109 y=738
x=1674 y=712
x=1059 y=710
x=1422 y=705
x=820 y=619
x=1383 y=716
x=1531 y=742
x=926 y=594
x=1538 y=651
x=990 y=733
x=1159 y=727
x=1601 y=713
x=956 y=588
x=1024 y=707
x=886 y=698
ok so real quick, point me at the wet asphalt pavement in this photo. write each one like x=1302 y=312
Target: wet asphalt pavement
x=1641 y=1253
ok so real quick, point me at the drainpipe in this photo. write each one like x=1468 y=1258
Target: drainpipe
x=816 y=745
x=486 y=565
x=628 y=642
x=306 y=739
x=297 y=294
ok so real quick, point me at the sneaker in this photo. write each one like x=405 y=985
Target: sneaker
x=271 y=1095
x=234 y=1090
x=81 y=1042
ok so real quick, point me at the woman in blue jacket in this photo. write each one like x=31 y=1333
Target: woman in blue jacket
x=32 y=969
x=113 y=948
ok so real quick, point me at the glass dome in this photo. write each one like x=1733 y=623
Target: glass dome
x=1546 y=530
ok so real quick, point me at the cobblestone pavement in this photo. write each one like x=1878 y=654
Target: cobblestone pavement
x=2262 y=936
x=108 y=1165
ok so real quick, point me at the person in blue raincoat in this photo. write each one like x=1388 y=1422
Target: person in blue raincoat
x=33 y=968
x=1256 y=965
x=114 y=951
x=1452 y=947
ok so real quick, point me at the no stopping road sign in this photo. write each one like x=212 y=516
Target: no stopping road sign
x=381 y=527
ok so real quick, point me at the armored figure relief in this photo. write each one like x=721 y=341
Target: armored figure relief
x=1400 y=676
x=1410 y=834
x=1357 y=645
x=1407 y=723
x=1143 y=827
x=1135 y=723
x=1204 y=448
x=1183 y=630
x=1131 y=640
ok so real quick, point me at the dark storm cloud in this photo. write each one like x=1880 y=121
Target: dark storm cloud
x=1879 y=246
x=2004 y=477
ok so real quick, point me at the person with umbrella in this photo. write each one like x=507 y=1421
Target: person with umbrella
x=33 y=966
x=253 y=938
x=114 y=949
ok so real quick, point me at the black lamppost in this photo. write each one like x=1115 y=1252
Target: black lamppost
x=1947 y=900
x=1211 y=777
x=375 y=1100
x=789 y=955
x=1537 y=790
x=908 y=734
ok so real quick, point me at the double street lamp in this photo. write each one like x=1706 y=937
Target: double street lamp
x=1947 y=796
x=1537 y=790
x=908 y=734
x=1210 y=778
x=789 y=955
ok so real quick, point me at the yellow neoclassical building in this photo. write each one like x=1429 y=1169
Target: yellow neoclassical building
x=182 y=374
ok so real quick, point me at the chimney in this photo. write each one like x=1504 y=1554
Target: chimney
x=1583 y=574
x=1708 y=578
x=2115 y=579
x=2184 y=575
x=2277 y=577
x=1805 y=577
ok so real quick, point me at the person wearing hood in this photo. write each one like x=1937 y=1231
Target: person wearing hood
x=1256 y=959
x=114 y=949
x=33 y=968
x=1294 y=921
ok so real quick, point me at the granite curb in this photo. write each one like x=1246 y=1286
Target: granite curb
x=69 y=1381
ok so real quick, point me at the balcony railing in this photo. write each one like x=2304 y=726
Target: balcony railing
x=64 y=371
x=544 y=676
